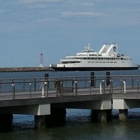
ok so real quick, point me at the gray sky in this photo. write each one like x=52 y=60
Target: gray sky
x=58 y=28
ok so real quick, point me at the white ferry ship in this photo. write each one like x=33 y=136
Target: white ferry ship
x=106 y=59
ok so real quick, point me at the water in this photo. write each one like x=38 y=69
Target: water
x=78 y=124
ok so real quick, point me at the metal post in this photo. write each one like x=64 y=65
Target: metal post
x=102 y=87
x=61 y=88
x=95 y=81
x=56 y=81
x=46 y=89
x=30 y=89
x=111 y=86
x=34 y=84
x=123 y=86
x=23 y=84
x=85 y=83
x=107 y=78
x=75 y=87
x=92 y=79
x=43 y=94
x=72 y=86
x=132 y=82
x=137 y=85
x=46 y=78
x=13 y=90
x=90 y=87
x=0 y=86
x=121 y=83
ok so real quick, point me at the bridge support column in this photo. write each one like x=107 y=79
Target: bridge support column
x=57 y=117
x=123 y=114
x=39 y=121
x=101 y=115
x=123 y=106
x=6 y=122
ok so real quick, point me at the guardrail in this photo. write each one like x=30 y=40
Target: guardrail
x=66 y=86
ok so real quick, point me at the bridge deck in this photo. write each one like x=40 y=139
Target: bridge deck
x=11 y=94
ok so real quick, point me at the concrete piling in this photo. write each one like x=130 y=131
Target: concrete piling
x=39 y=122
x=6 y=121
x=57 y=117
x=101 y=115
x=123 y=114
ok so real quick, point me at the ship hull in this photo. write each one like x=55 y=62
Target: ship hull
x=92 y=68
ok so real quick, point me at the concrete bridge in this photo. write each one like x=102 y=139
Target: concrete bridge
x=47 y=98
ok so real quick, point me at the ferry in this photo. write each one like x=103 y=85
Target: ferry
x=107 y=58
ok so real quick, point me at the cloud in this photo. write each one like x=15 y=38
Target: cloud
x=70 y=14
x=38 y=1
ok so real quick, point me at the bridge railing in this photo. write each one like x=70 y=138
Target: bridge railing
x=67 y=86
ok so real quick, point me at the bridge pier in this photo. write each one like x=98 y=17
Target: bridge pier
x=56 y=118
x=39 y=122
x=123 y=114
x=6 y=122
x=123 y=106
x=101 y=115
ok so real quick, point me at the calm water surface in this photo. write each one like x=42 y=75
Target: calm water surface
x=78 y=125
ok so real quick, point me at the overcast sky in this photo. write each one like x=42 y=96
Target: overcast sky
x=58 y=28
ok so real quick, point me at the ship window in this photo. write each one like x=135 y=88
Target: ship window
x=70 y=62
x=64 y=62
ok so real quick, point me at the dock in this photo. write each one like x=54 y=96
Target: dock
x=50 y=97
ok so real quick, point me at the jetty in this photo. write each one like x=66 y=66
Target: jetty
x=25 y=69
x=48 y=98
